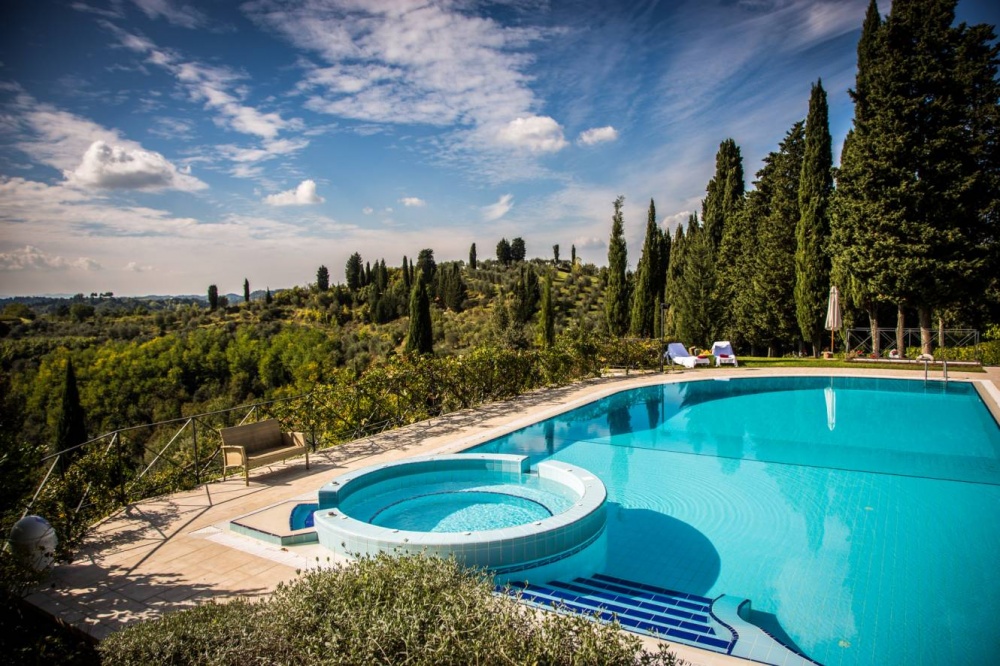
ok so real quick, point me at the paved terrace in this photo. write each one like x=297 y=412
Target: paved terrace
x=174 y=552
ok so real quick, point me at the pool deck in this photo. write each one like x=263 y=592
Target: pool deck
x=174 y=552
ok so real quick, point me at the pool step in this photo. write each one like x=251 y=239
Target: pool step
x=711 y=624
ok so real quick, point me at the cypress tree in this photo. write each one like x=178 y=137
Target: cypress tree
x=724 y=194
x=812 y=261
x=213 y=297
x=407 y=283
x=547 y=322
x=673 y=283
x=246 y=290
x=853 y=222
x=354 y=272
x=472 y=257
x=268 y=298
x=420 y=336
x=71 y=429
x=572 y=255
x=645 y=294
x=555 y=253
x=697 y=318
x=526 y=295
x=368 y=275
x=765 y=308
x=426 y=265
x=322 y=278
x=616 y=297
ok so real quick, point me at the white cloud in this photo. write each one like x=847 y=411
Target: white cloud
x=303 y=195
x=411 y=202
x=367 y=210
x=536 y=133
x=136 y=267
x=31 y=258
x=499 y=209
x=177 y=14
x=598 y=135
x=117 y=167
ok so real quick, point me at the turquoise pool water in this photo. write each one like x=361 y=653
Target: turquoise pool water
x=860 y=516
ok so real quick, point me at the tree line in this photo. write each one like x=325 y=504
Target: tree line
x=910 y=221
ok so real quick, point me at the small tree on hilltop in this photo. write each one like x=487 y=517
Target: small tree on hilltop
x=503 y=252
x=246 y=290
x=213 y=297
x=322 y=278
x=472 y=257
x=517 y=249
x=353 y=271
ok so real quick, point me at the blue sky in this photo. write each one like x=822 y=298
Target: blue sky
x=159 y=146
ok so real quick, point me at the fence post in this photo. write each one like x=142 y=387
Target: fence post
x=121 y=468
x=197 y=461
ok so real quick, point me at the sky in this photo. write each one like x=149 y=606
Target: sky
x=160 y=146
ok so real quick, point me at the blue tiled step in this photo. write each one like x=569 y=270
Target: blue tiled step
x=712 y=624
x=672 y=616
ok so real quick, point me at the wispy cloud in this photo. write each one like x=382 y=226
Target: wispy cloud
x=218 y=88
x=497 y=210
x=175 y=13
x=412 y=202
x=303 y=195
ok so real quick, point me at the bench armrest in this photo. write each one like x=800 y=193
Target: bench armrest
x=294 y=439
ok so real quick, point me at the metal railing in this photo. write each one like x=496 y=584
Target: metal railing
x=859 y=340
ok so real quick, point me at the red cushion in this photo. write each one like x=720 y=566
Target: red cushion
x=723 y=355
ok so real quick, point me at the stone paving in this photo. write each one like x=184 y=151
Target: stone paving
x=175 y=551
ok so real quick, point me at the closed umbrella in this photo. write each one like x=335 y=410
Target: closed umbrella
x=833 y=319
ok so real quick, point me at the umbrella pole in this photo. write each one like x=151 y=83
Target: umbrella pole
x=831 y=340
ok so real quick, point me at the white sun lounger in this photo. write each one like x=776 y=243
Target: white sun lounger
x=723 y=353
x=676 y=353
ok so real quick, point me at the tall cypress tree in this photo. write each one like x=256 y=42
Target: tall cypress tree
x=354 y=272
x=71 y=428
x=645 y=294
x=697 y=318
x=812 y=260
x=472 y=257
x=616 y=297
x=420 y=336
x=724 y=194
x=322 y=278
x=407 y=284
x=675 y=271
x=246 y=290
x=764 y=309
x=213 y=297
x=727 y=240
x=853 y=222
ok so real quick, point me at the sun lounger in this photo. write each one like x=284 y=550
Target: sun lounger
x=676 y=353
x=723 y=353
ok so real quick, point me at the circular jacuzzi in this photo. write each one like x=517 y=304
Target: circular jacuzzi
x=487 y=510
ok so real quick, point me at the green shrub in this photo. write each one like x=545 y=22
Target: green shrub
x=378 y=610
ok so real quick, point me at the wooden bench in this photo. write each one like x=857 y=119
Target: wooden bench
x=257 y=444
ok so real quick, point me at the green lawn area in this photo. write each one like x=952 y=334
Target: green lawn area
x=764 y=362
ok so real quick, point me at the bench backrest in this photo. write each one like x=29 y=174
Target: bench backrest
x=253 y=436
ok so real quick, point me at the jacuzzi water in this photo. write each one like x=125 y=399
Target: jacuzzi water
x=433 y=502
x=860 y=516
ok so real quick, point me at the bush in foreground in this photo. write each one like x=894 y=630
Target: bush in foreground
x=379 y=610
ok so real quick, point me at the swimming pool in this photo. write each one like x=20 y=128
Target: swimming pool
x=860 y=516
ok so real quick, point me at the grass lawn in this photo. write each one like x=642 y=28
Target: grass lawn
x=764 y=362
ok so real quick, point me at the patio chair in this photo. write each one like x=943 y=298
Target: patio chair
x=723 y=353
x=676 y=353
